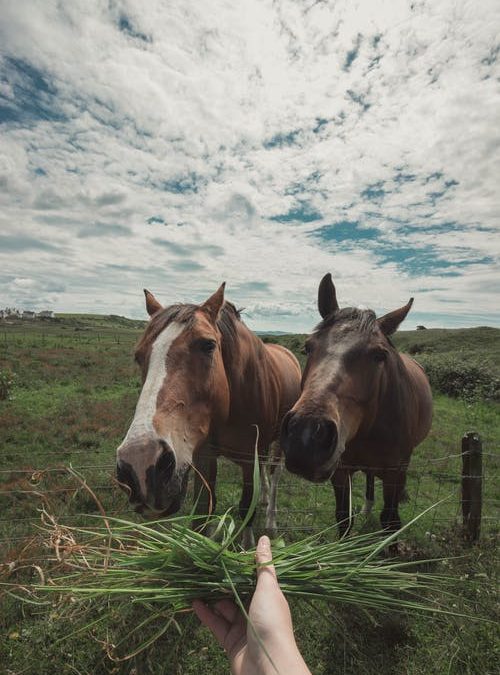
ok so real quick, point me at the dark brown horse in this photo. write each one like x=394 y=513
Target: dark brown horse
x=208 y=384
x=363 y=405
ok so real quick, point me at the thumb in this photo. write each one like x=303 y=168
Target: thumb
x=264 y=555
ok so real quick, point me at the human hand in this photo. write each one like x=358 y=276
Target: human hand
x=275 y=649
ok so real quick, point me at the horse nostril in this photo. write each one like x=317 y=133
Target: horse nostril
x=128 y=479
x=324 y=432
x=166 y=463
x=328 y=433
x=122 y=471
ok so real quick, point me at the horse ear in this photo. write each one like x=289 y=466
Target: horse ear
x=327 y=296
x=213 y=305
x=389 y=322
x=152 y=304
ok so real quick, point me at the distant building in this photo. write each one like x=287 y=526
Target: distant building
x=421 y=328
x=13 y=313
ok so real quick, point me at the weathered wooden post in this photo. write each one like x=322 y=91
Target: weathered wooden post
x=472 y=484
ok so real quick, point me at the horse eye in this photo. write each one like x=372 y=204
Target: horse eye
x=379 y=355
x=307 y=349
x=208 y=346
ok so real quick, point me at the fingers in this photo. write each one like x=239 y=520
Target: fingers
x=264 y=555
x=215 y=622
x=226 y=622
x=227 y=609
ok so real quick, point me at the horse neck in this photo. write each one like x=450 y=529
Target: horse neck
x=253 y=381
x=397 y=399
x=242 y=357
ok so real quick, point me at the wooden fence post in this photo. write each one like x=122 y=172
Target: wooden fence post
x=472 y=484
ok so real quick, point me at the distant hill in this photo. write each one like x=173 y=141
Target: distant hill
x=100 y=321
x=272 y=332
x=482 y=341
x=462 y=362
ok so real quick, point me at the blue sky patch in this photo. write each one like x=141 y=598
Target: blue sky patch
x=305 y=213
x=34 y=95
x=402 y=177
x=320 y=124
x=183 y=184
x=425 y=260
x=352 y=54
x=437 y=175
x=125 y=25
x=359 y=99
x=310 y=184
x=374 y=192
x=345 y=230
x=282 y=140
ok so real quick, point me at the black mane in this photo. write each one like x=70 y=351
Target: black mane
x=363 y=320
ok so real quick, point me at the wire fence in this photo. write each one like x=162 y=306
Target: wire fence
x=21 y=338
x=303 y=507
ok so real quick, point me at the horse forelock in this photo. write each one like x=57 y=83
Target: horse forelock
x=352 y=318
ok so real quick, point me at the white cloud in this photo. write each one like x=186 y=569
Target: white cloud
x=214 y=119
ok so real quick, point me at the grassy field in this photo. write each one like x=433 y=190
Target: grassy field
x=75 y=389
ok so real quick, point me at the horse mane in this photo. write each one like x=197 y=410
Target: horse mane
x=358 y=319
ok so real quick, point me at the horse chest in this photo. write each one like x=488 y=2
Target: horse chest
x=375 y=454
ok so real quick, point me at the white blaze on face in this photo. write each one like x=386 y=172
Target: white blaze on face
x=142 y=424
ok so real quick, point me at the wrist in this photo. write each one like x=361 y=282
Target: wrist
x=286 y=658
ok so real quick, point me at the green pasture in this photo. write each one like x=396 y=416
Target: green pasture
x=74 y=393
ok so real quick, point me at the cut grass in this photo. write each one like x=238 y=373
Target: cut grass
x=163 y=567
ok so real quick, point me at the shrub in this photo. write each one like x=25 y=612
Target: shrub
x=459 y=377
x=418 y=348
x=6 y=384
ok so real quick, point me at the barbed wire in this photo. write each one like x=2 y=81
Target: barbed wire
x=413 y=465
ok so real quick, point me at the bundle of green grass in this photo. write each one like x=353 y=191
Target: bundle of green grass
x=170 y=564
x=164 y=565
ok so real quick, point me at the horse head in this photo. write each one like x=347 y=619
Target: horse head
x=348 y=355
x=185 y=392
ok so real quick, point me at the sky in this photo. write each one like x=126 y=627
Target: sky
x=173 y=145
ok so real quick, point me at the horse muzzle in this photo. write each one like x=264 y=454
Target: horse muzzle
x=310 y=446
x=147 y=471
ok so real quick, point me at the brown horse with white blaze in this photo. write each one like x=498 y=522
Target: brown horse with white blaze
x=363 y=405
x=208 y=384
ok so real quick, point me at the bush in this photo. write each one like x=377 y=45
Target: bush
x=418 y=348
x=6 y=384
x=467 y=379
